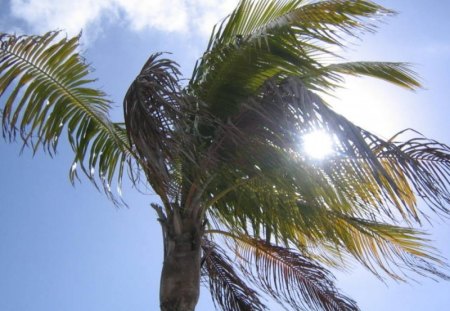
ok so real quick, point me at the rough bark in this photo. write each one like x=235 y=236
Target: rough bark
x=180 y=277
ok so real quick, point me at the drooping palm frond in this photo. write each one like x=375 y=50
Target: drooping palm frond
x=425 y=164
x=290 y=278
x=155 y=113
x=339 y=202
x=365 y=171
x=101 y=151
x=46 y=89
x=329 y=236
x=397 y=251
x=266 y=39
x=227 y=287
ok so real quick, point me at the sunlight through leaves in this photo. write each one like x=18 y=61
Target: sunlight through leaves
x=318 y=144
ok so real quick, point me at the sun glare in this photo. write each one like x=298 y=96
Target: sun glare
x=317 y=144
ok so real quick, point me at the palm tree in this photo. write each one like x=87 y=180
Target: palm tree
x=243 y=207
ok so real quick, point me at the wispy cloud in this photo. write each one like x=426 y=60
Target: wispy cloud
x=183 y=16
x=72 y=16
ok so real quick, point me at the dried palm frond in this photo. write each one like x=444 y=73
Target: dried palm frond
x=228 y=289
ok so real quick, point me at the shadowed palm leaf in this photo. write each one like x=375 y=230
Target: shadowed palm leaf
x=227 y=288
x=293 y=280
x=153 y=109
x=336 y=207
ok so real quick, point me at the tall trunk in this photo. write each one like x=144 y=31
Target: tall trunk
x=180 y=277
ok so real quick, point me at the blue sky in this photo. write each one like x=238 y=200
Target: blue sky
x=69 y=248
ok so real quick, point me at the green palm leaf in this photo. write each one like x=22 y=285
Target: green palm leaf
x=330 y=236
x=284 y=194
x=266 y=141
x=265 y=39
x=396 y=73
x=46 y=90
x=397 y=251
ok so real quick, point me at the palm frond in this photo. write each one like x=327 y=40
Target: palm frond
x=266 y=39
x=266 y=140
x=308 y=203
x=331 y=236
x=315 y=20
x=397 y=251
x=227 y=288
x=46 y=89
x=153 y=109
x=101 y=151
x=287 y=276
x=395 y=73
x=425 y=164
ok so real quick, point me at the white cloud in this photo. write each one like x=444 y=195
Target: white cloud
x=45 y=15
x=165 y=15
x=197 y=16
x=206 y=13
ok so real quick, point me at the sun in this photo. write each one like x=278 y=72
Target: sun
x=318 y=144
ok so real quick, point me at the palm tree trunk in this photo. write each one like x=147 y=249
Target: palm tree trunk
x=180 y=277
